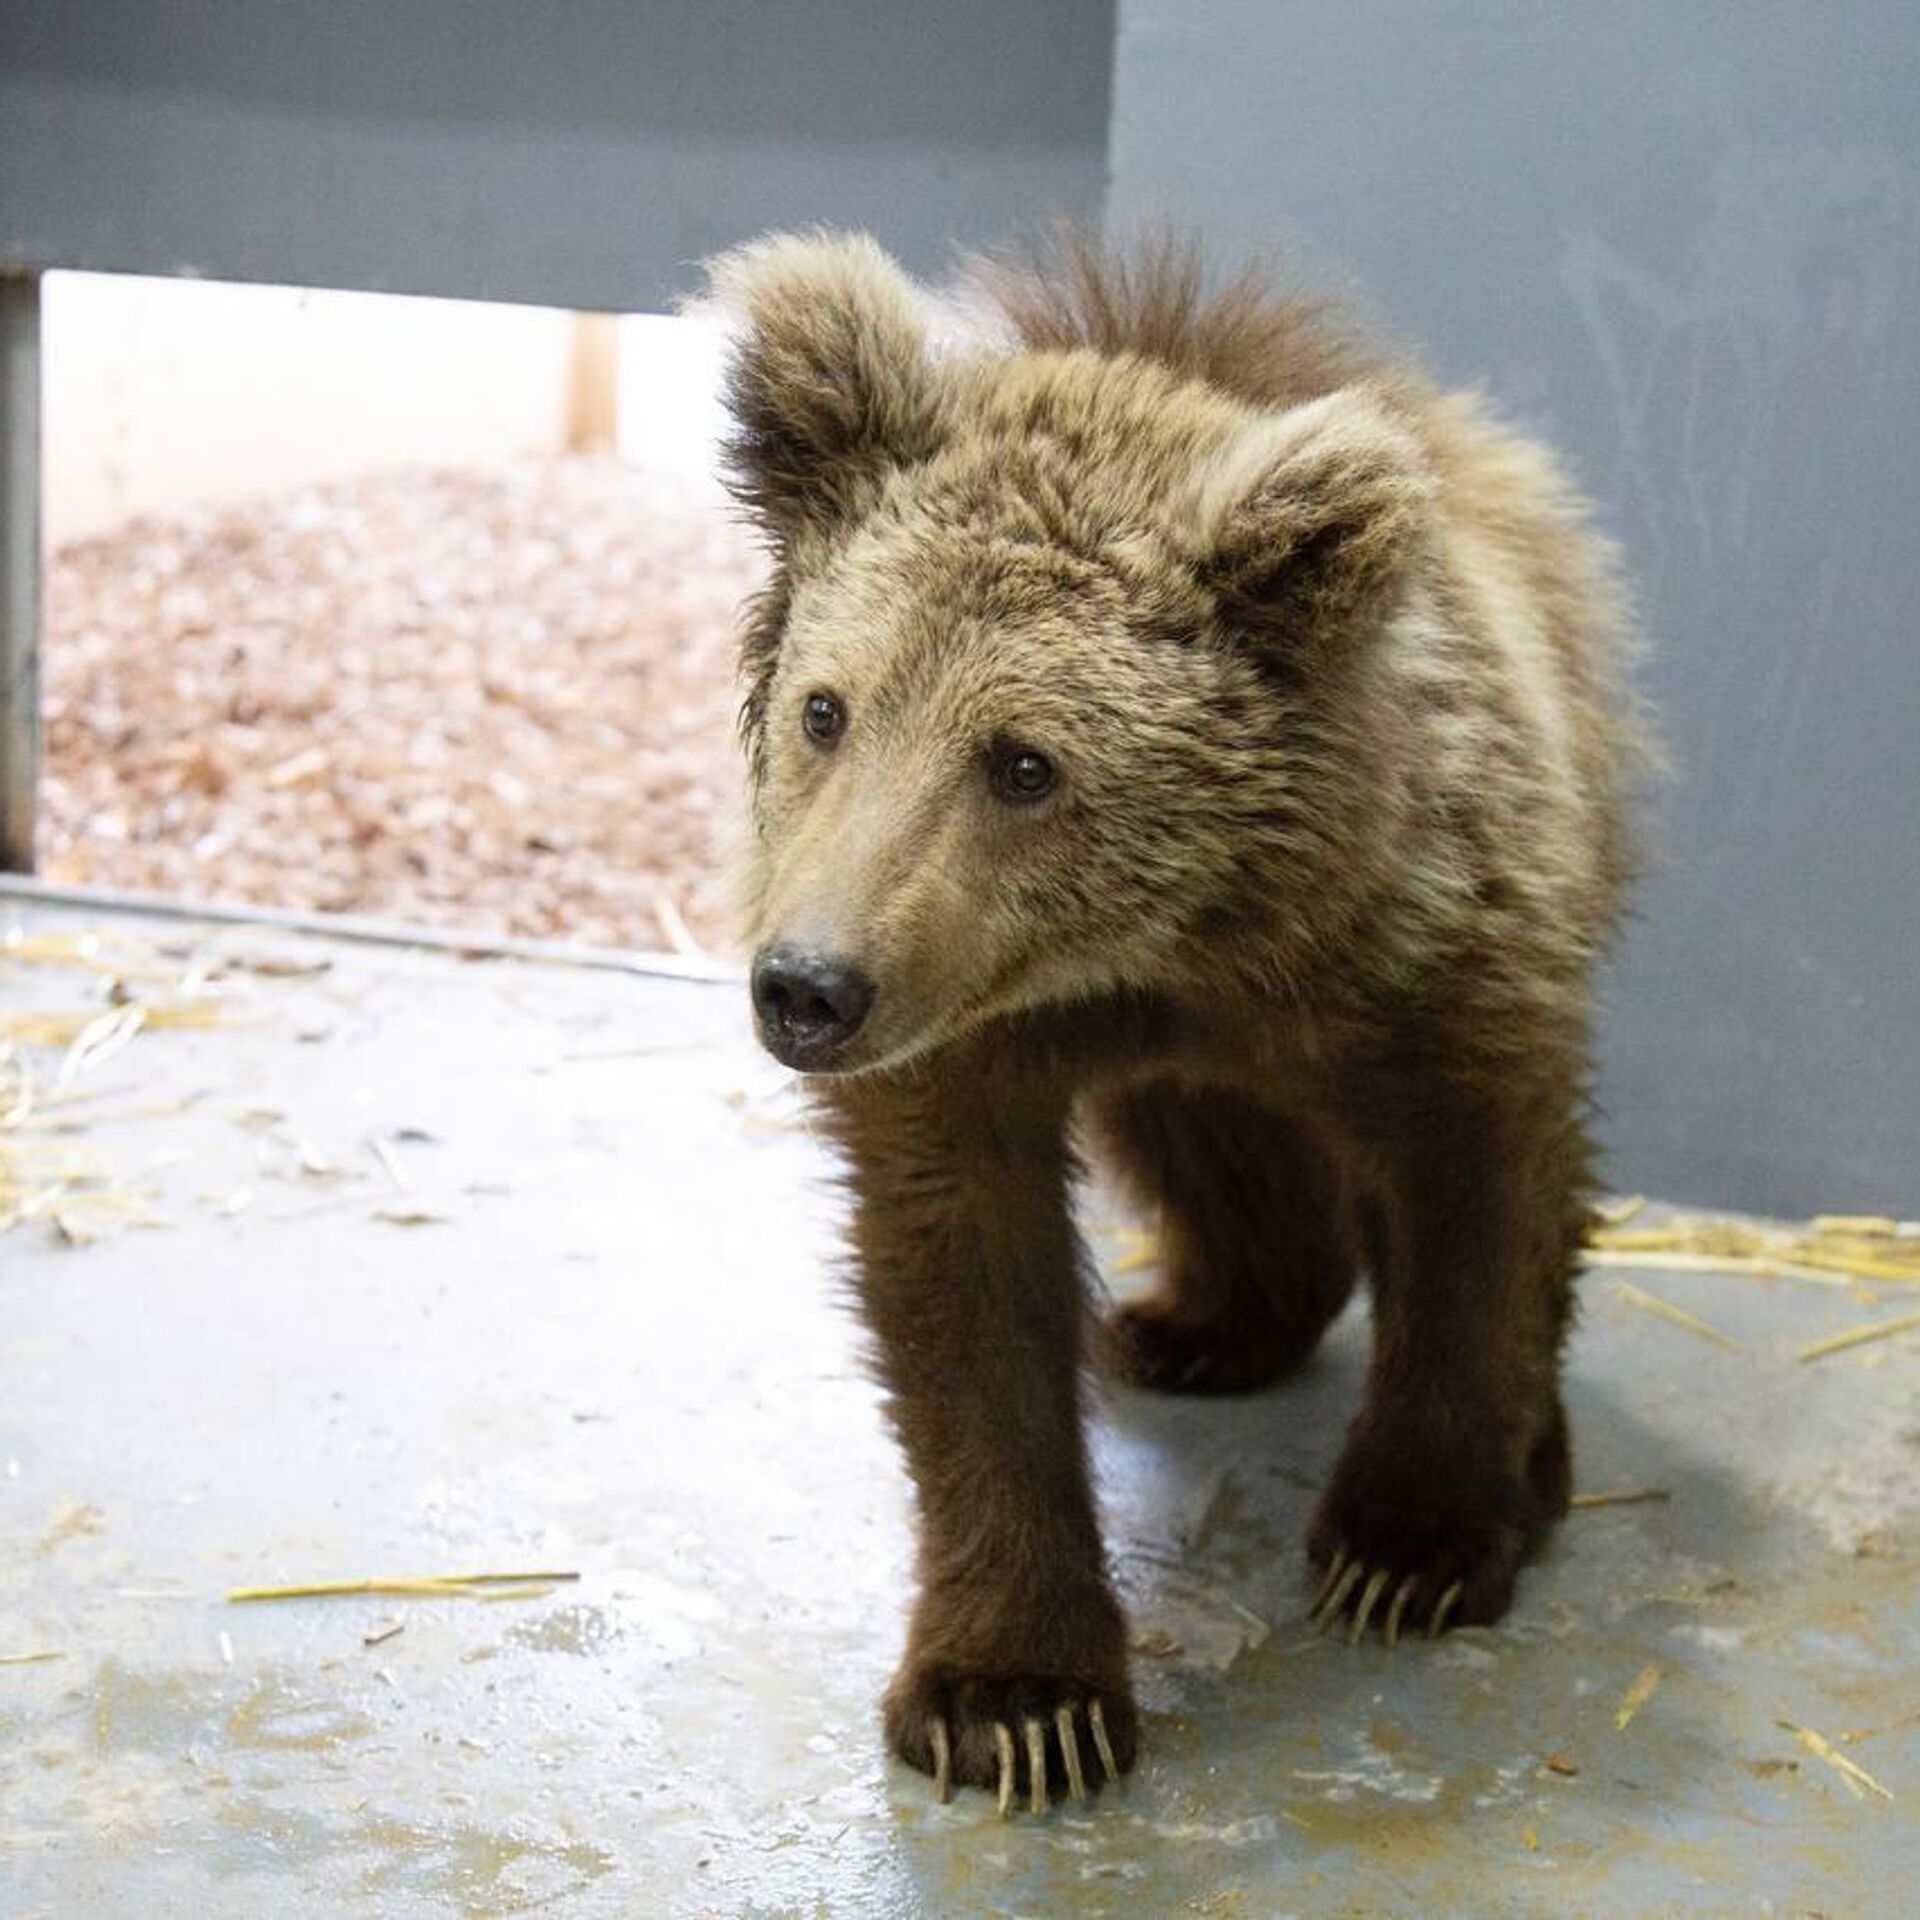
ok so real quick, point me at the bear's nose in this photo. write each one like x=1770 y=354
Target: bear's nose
x=807 y=1004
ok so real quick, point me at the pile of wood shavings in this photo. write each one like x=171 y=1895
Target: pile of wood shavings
x=496 y=700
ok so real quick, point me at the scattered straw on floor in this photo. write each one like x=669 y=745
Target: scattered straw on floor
x=1862 y=1255
x=1830 y=1250
x=53 y=1055
x=45 y=1174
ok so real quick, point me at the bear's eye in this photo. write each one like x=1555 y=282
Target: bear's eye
x=823 y=717
x=1021 y=774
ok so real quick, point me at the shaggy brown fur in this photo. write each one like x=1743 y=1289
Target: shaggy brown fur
x=1176 y=720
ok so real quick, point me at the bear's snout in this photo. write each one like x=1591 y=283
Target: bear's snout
x=807 y=1005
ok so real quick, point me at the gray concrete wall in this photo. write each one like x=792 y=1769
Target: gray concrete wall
x=575 y=153
x=1683 y=239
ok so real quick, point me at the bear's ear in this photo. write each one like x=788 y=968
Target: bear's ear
x=1308 y=523
x=829 y=379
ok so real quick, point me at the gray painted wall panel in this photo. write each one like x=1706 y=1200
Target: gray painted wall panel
x=1683 y=240
x=580 y=153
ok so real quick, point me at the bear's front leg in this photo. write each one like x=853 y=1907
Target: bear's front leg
x=1458 y=1466
x=1015 y=1673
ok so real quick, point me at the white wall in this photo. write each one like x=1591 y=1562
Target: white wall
x=162 y=395
x=165 y=395
x=671 y=420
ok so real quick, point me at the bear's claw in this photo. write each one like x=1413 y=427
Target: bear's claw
x=942 y=1745
x=1345 y=1574
x=1070 y=1752
x=1342 y=1577
x=1036 y=1765
x=1003 y=1741
x=1369 y=1599
x=1066 y=1731
x=1038 y=1739
x=1390 y=1630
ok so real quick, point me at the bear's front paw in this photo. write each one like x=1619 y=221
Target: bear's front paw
x=1403 y=1536
x=1011 y=1732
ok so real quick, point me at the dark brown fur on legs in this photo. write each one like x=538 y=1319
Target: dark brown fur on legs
x=1257 y=1246
x=1457 y=1466
x=969 y=1276
x=1169 y=708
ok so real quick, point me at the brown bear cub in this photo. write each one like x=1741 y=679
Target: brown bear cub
x=1177 y=728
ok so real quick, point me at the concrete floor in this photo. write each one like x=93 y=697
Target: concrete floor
x=616 y=1348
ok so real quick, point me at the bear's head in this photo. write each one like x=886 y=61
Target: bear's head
x=1060 y=686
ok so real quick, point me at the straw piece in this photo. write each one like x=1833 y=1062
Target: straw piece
x=36 y=1028
x=433 y=1586
x=1675 y=1316
x=19 y=1109
x=1865 y=1267
x=1616 y=1213
x=1623 y=1497
x=1653 y=1240
x=1138 y=1251
x=1636 y=1696
x=83 y=950
x=1858 y=1781
x=57 y=949
x=277 y=966
x=673 y=924
x=1858 y=1336
x=325 y=1589
x=1681 y=1262
x=32 y=1659
x=100 y=1039
x=558 y=1575
x=389 y=1161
